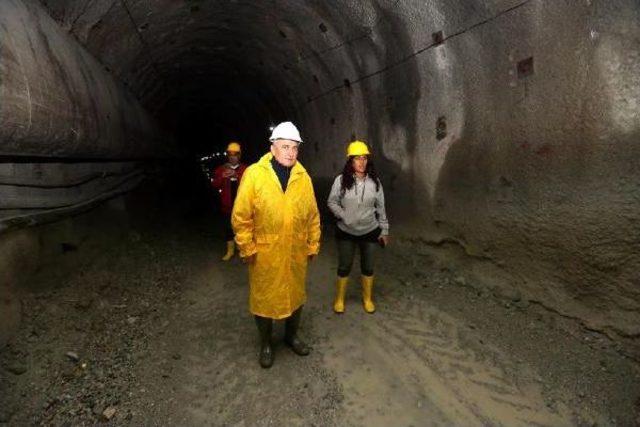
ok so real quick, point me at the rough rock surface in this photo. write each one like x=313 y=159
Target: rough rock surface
x=440 y=347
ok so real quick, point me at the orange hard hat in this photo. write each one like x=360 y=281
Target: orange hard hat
x=233 y=147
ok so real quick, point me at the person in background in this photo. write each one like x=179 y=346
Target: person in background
x=277 y=228
x=226 y=179
x=357 y=201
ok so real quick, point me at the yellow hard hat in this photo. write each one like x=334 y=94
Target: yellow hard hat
x=357 y=148
x=233 y=147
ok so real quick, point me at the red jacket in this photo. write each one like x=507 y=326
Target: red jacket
x=223 y=185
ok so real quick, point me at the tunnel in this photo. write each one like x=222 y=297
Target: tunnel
x=506 y=136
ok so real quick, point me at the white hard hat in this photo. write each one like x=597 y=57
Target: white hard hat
x=285 y=130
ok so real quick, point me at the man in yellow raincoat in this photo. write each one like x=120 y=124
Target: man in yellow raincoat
x=277 y=229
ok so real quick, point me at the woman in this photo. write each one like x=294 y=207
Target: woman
x=357 y=201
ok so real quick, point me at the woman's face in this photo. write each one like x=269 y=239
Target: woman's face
x=360 y=164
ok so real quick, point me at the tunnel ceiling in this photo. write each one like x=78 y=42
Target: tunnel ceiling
x=190 y=50
x=271 y=58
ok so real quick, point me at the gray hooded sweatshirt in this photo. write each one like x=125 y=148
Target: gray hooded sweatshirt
x=361 y=210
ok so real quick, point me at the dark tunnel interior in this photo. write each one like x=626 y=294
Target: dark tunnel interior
x=204 y=118
x=506 y=136
x=210 y=72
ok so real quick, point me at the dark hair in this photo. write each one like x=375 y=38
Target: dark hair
x=348 y=171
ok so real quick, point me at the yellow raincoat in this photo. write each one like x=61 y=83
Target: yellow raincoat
x=283 y=229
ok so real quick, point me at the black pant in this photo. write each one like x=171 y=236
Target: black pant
x=228 y=231
x=347 y=245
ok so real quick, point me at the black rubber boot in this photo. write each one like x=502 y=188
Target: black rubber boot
x=291 y=334
x=265 y=327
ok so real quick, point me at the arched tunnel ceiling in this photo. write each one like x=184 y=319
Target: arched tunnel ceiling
x=165 y=49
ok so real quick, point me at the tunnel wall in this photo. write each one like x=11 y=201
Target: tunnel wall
x=56 y=100
x=537 y=173
x=34 y=193
x=68 y=126
x=68 y=133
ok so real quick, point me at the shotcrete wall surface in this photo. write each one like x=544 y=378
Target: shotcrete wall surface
x=32 y=193
x=58 y=100
x=507 y=127
x=69 y=129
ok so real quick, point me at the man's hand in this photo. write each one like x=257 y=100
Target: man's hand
x=384 y=240
x=251 y=259
x=311 y=257
x=229 y=173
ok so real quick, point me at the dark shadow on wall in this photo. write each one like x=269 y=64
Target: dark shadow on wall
x=392 y=99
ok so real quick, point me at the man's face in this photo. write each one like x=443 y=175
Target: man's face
x=233 y=157
x=285 y=151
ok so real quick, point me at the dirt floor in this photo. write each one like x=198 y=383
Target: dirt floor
x=155 y=331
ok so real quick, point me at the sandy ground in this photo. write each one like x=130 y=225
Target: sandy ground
x=162 y=336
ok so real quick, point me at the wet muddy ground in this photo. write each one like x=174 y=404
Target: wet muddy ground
x=155 y=331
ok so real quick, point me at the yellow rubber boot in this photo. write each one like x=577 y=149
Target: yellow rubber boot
x=367 y=293
x=231 y=249
x=341 y=290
